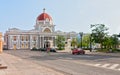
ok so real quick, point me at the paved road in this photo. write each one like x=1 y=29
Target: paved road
x=17 y=66
x=89 y=64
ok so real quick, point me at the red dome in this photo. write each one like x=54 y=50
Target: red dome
x=44 y=16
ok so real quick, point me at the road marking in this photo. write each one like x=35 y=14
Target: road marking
x=105 y=65
x=119 y=69
x=97 y=64
x=113 y=66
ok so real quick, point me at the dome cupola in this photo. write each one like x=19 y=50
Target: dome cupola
x=44 y=23
x=44 y=16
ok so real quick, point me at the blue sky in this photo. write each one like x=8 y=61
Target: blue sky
x=68 y=15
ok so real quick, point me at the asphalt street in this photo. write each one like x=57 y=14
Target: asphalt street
x=88 y=64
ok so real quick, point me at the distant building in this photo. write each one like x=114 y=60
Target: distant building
x=43 y=35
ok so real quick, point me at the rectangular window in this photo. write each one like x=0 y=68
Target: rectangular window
x=26 y=38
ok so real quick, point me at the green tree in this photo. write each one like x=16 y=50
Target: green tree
x=107 y=43
x=60 y=42
x=99 y=31
x=111 y=42
x=115 y=41
x=74 y=42
x=86 y=40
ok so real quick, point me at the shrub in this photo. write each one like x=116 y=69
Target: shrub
x=103 y=50
x=61 y=48
x=34 y=49
x=116 y=50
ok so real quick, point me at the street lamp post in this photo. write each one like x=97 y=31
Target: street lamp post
x=118 y=35
x=81 y=34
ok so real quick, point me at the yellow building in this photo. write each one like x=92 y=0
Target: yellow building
x=1 y=43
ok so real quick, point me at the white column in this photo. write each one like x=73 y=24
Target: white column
x=36 y=41
x=18 y=41
x=52 y=41
x=43 y=41
x=10 y=42
x=30 y=41
x=40 y=41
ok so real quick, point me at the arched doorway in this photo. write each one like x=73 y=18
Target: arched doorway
x=46 y=44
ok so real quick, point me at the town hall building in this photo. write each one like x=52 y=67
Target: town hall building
x=42 y=36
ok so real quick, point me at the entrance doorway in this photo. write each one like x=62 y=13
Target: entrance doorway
x=14 y=46
x=46 y=44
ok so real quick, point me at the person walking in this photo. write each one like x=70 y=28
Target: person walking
x=48 y=50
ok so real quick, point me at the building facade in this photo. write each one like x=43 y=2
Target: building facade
x=43 y=35
x=1 y=43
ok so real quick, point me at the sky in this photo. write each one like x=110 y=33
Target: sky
x=67 y=15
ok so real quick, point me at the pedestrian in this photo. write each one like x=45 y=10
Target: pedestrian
x=48 y=50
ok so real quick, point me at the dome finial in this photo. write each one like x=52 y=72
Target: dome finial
x=43 y=10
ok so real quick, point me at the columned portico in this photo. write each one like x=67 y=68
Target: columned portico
x=43 y=42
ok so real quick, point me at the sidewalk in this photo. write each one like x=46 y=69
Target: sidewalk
x=18 y=66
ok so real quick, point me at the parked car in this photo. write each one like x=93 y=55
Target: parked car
x=52 y=50
x=78 y=51
x=45 y=49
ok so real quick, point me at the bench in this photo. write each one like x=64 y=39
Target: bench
x=3 y=67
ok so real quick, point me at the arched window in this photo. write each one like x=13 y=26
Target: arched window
x=47 y=30
x=47 y=20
